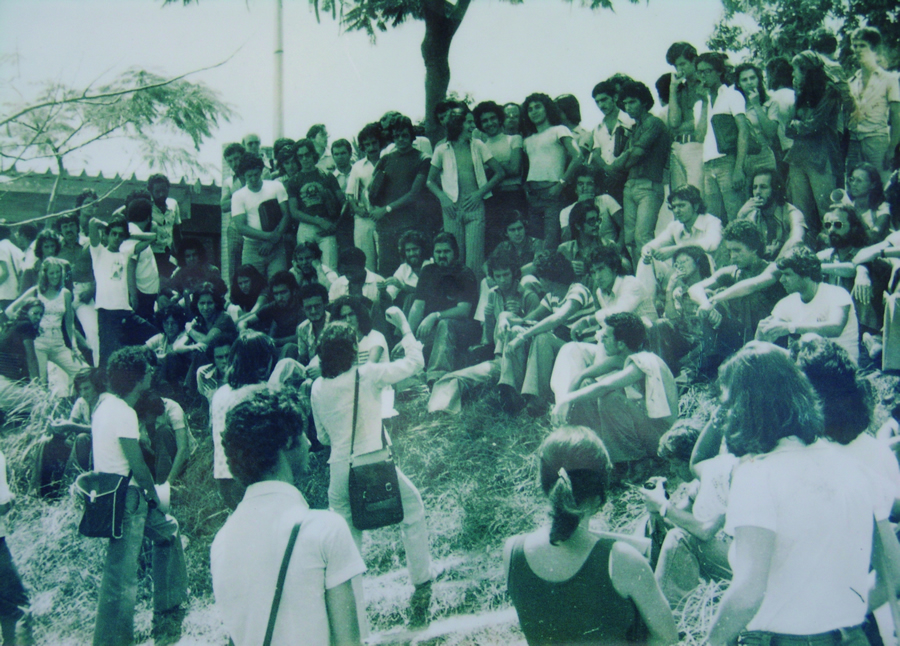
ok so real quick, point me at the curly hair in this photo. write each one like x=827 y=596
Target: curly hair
x=553 y=116
x=175 y=312
x=628 y=328
x=456 y=123
x=766 y=398
x=248 y=163
x=639 y=91
x=690 y=194
x=337 y=349
x=207 y=289
x=678 y=442
x=488 y=107
x=413 y=236
x=876 y=194
x=802 y=261
x=360 y=306
x=680 y=50
x=44 y=273
x=257 y=286
x=555 y=267
x=574 y=474
x=258 y=428
x=233 y=149
x=746 y=233
x=505 y=257
x=126 y=368
x=252 y=356
x=44 y=236
x=196 y=245
x=847 y=400
x=157 y=178
x=700 y=258
x=371 y=131
x=607 y=256
x=578 y=217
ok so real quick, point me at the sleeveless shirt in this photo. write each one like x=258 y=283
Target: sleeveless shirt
x=584 y=609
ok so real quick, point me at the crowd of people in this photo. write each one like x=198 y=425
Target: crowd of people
x=742 y=229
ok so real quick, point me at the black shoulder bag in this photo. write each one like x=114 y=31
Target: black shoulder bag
x=374 y=487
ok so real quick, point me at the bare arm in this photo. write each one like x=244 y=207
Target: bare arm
x=12 y=311
x=629 y=375
x=340 y=603
x=767 y=278
x=31 y=359
x=632 y=578
x=753 y=547
x=241 y=226
x=416 y=313
x=69 y=316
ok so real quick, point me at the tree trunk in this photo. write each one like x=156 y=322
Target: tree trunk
x=60 y=170
x=441 y=22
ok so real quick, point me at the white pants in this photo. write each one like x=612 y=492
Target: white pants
x=87 y=316
x=364 y=238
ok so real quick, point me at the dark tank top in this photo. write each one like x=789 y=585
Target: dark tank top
x=584 y=609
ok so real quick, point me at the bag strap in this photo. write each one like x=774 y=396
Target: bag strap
x=279 y=587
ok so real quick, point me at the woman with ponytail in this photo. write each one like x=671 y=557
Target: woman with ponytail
x=570 y=585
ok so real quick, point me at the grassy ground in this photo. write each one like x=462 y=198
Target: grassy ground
x=477 y=475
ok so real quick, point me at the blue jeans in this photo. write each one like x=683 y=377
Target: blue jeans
x=643 y=199
x=543 y=213
x=722 y=199
x=118 y=590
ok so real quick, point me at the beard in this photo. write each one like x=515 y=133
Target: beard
x=838 y=241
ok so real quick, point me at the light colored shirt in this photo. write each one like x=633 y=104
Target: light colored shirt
x=445 y=160
x=728 y=101
x=873 y=102
x=706 y=233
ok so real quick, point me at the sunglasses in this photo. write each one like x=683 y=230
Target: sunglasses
x=837 y=226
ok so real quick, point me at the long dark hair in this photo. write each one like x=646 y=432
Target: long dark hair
x=760 y=83
x=252 y=356
x=554 y=118
x=257 y=285
x=766 y=398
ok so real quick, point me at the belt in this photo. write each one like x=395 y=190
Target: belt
x=683 y=139
x=763 y=638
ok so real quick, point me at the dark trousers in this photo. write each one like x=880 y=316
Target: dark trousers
x=119 y=328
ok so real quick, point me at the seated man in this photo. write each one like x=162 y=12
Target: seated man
x=846 y=237
x=634 y=403
x=307 y=267
x=279 y=317
x=585 y=227
x=401 y=287
x=692 y=227
x=886 y=256
x=614 y=292
x=442 y=311
x=267 y=450
x=781 y=225
x=811 y=305
x=354 y=279
x=536 y=338
x=507 y=299
x=611 y=218
x=314 y=300
x=211 y=377
x=731 y=321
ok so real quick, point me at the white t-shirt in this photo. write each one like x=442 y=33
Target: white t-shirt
x=245 y=560
x=146 y=274
x=112 y=419
x=606 y=206
x=14 y=259
x=792 y=309
x=359 y=180
x=164 y=226
x=501 y=147
x=246 y=202
x=110 y=272
x=547 y=154
x=728 y=101
x=820 y=505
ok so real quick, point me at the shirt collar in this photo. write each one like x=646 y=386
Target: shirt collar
x=275 y=487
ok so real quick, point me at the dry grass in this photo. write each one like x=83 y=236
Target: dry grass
x=477 y=475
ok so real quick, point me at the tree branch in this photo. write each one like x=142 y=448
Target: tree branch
x=83 y=97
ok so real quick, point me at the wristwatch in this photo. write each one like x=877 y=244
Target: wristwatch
x=388 y=209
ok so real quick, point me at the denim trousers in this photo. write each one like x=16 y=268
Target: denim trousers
x=643 y=199
x=118 y=589
x=543 y=213
x=722 y=199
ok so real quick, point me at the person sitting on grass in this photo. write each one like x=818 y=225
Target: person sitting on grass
x=307 y=267
x=633 y=403
x=570 y=585
x=695 y=546
x=401 y=287
x=280 y=317
x=266 y=448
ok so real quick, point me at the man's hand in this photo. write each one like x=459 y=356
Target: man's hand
x=559 y=414
x=266 y=248
x=771 y=329
x=377 y=213
x=394 y=315
x=471 y=201
x=555 y=190
x=862 y=290
x=655 y=498
x=517 y=342
x=712 y=315
x=583 y=324
x=314 y=372
x=427 y=325
x=449 y=207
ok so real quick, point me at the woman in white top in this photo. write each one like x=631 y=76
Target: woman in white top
x=867 y=194
x=553 y=160
x=509 y=193
x=59 y=314
x=801 y=510
x=458 y=179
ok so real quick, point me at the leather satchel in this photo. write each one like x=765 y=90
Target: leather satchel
x=374 y=487
x=104 y=503
x=725 y=130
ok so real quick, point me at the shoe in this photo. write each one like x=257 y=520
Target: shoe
x=511 y=402
x=420 y=606
x=686 y=377
x=167 y=626
x=537 y=407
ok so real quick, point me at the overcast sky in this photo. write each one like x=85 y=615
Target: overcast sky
x=501 y=52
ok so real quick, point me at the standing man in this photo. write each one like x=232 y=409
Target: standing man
x=442 y=312
x=267 y=450
x=723 y=156
x=684 y=91
x=357 y=190
x=644 y=160
x=166 y=224
x=116 y=449
x=396 y=193
x=875 y=123
x=116 y=298
x=610 y=136
x=231 y=182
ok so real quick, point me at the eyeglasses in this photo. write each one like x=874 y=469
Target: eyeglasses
x=706 y=70
x=592 y=221
x=837 y=226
